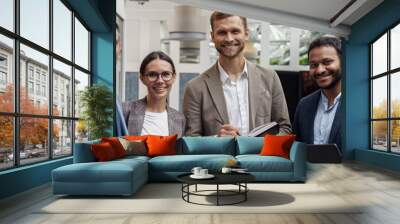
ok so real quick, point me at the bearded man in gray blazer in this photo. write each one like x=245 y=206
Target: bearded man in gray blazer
x=234 y=95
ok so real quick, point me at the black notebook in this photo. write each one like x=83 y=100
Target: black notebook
x=324 y=153
x=270 y=128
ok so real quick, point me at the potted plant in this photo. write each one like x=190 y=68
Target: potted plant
x=96 y=102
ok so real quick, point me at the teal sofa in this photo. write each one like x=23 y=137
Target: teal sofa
x=125 y=176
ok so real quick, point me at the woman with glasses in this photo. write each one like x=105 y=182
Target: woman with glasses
x=152 y=115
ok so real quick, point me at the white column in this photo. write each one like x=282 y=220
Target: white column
x=154 y=36
x=294 y=47
x=265 y=49
x=174 y=49
x=204 y=55
x=144 y=34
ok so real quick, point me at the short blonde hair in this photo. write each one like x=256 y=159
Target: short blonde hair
x=220 y=15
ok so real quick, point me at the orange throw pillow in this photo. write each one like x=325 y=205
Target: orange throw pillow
x=103 y=152
x=116 y=145
x=277 y=145
x=161 y=145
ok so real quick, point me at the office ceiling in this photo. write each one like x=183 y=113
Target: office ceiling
x=328 y=16
x=319 y=9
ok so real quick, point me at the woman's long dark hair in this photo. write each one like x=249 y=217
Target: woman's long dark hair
x=153 y=56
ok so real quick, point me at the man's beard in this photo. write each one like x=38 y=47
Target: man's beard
x=221 y=51
x=337 y=77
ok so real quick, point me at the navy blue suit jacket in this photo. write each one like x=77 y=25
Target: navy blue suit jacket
x=304 y=117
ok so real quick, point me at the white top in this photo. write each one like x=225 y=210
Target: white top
x=236 y=95
x=324 y=119
x=155 y=124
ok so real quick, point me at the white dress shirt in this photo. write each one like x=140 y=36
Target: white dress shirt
x=236 y=95
x=155 y=124
x=324 y=119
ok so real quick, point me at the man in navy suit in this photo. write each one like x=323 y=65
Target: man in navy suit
x=319 y=115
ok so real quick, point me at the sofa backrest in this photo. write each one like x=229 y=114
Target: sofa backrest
x=249 y=145
x=83 y=152
x=190 y=146
x=207 y=145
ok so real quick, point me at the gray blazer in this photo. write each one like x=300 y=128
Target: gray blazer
x=134 y=112
x=205 y=109
x=304 y=117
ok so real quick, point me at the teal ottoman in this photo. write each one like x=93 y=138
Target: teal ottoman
x=118 y=177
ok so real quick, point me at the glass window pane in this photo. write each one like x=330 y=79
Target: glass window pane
x=379 y=56
x=62 y=141
x=131 y=86
x=34 y=72
x=395 y=47
x=395 y=136
x=183 y=79
x=62 y=29
x=7 y=14
x=62 y=89
x=81 y=131
x=35 y=21
x=306 y=37
x=252 y=47
x=379 y=135
x=279 y=45
x=6 y=74
x=395 y=95
x=6 y=142
x=379 y=98
x=81 y=81
x=81 y=45
x=33 y=139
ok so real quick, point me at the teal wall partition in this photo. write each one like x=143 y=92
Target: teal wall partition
x=24 y=178
x=99 y=16
x=357 y=99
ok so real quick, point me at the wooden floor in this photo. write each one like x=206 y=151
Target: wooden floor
x=377 y=188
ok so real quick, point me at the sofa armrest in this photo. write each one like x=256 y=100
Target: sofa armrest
x=298 y=156
x=83 y=152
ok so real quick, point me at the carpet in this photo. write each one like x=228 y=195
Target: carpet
x=166 y=198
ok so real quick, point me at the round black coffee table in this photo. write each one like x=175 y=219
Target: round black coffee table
x=238 y=179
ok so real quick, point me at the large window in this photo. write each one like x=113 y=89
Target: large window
x=44 y=64
x=385 y=92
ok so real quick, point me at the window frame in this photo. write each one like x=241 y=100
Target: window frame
x=388 y=74
x=16 y=114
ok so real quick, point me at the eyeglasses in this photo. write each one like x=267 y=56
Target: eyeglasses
x=153 y=76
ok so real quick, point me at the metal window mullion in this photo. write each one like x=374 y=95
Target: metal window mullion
x=73 y=82
x=371 y=89
x=89 y=53
x=16 y=84
x=50 y=81
x=389 y=139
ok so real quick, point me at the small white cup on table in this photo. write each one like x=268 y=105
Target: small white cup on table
x=196 y=170
x=203 y=172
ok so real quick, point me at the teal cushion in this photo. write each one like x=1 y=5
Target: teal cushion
x=185 y=163
x=133 y=157
x=249 y=145
x=111 y=171
x=208 y=145
x=257 y=163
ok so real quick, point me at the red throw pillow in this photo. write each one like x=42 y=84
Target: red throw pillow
x=277 y=145
x=116 y=145
x=103 y=151
x=161 y=145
